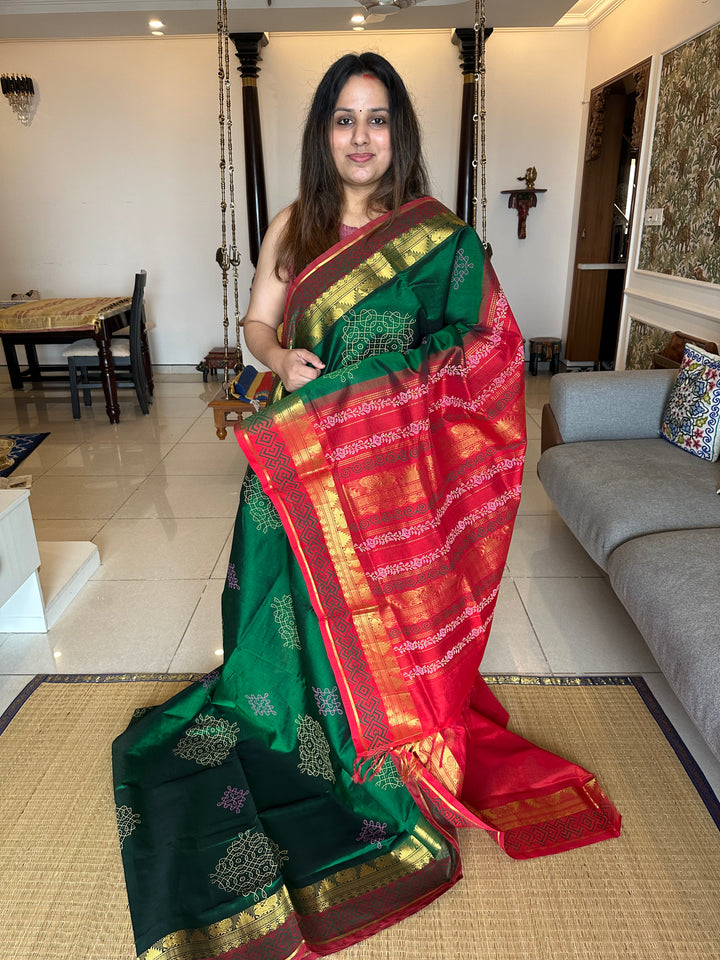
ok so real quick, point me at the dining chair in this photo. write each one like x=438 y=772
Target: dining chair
x=131 y=358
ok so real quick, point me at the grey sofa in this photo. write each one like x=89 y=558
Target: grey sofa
x=649 y=514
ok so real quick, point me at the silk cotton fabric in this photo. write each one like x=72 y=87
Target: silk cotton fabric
x=308 y=793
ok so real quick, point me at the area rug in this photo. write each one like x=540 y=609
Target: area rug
x=651 y=894
x=14 y=447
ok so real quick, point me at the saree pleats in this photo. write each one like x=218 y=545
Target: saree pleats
x=308 y=792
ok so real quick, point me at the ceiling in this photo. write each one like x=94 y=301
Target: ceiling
x=63 y=19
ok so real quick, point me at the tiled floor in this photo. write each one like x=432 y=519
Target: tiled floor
x=158 y=495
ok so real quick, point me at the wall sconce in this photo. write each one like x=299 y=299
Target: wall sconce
x=20 y=92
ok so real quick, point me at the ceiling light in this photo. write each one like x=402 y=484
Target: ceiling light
x=358 y=18
x=358 y=28
x=158 y=33
x=155 y=24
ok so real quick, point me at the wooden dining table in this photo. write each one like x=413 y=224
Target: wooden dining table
x=30 y=323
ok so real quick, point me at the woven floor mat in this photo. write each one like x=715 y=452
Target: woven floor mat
x=652 y=894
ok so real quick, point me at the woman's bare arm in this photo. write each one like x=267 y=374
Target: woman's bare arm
x=267 y=303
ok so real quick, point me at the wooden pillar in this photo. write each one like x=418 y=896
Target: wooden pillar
x=248 y=46
x=464 y=38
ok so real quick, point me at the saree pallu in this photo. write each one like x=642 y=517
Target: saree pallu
x=308 y=793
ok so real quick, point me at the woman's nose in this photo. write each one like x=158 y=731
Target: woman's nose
x=360 y=134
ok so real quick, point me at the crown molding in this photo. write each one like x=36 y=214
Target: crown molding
x=591 y=16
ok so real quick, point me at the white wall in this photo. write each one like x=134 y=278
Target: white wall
x=535 y=118
x=119 y=169
x=636 y=30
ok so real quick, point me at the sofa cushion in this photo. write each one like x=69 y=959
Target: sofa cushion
x=610 y=405
x=691 y=419
x=610 y=491
x=668 y=583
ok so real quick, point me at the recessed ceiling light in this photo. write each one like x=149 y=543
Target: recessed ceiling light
x=155 y=24
x=158 y=33
x=358 y=28
x=358 y=18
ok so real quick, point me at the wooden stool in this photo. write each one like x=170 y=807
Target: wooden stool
x=544 y=348
x=214 y=361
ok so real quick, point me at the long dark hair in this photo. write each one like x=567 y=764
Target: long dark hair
x=314 y=219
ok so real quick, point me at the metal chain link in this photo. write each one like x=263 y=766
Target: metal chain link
x=225 y=257
x=479 y=122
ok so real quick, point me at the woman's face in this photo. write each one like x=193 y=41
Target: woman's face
x=360 y=137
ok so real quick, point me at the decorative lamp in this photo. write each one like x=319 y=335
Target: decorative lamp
x=20 y=92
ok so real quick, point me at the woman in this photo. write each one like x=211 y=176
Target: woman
x=308 y=795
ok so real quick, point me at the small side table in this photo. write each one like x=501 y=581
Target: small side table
x=545 y=348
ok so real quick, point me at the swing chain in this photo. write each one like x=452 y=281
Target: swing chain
x=227 y=257
x=479 y=122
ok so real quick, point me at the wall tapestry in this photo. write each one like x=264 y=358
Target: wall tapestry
x=644 y=341
x=684 y=178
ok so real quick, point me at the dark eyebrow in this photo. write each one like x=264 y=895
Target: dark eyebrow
x=372 y=110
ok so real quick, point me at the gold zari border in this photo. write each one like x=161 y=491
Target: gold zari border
x=409 y=857
x=263 y=918
x=522 y=813
x=395 y=256
x=251 y=924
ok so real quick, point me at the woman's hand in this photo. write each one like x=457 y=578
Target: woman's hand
x=297 y=367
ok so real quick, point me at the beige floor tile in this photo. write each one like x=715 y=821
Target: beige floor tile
x=221 y=567
x=111 y=460
x=78 y=529
x=542 y=546
x=68 y=498
x=71 y=432
x=23 y=653
x=220 y=459
x=201 y=647
x=184 y=497
x=188 y=388
x=151 y=429
x=513 y=646
x=167 y=408
x=583 y=628
x=203 y=431
x=44 y=457
x=11 y=687
x=124 y=626
x=169 y=549
x=532 y=425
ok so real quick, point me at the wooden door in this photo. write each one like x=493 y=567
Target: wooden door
x=615 y=107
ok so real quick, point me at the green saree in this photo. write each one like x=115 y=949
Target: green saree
x=307 y=794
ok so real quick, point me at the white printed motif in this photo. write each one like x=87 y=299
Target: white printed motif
x=314 y=749
x=249 y=865
x=285 y=619
x=471 y=520
x=264 y=514
x=208 y=741
x=260 y=704
x=461 y=268
x=369 y=333
x=126 y=822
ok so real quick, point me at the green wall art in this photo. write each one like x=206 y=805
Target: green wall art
x=684 y=176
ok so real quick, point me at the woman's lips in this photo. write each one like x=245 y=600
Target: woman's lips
x=360 y=157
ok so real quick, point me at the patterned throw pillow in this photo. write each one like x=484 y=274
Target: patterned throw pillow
x=692 y=416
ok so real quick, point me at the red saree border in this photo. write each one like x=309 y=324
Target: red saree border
x=302 y=528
